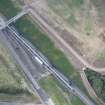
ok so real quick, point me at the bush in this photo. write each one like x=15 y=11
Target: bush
x=97 y=81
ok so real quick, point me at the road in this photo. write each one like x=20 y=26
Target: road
x=72 y=88
x=51 y=31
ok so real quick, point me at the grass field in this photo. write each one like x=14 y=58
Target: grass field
x=8 y=9
x=58 y=95
x=74 y=13
x=66 y=9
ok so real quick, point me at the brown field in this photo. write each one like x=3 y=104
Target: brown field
x=82 y=24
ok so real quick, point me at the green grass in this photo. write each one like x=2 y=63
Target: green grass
x=8 y=9
x=58 y=95
x=76 y=101
x=66 y=3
